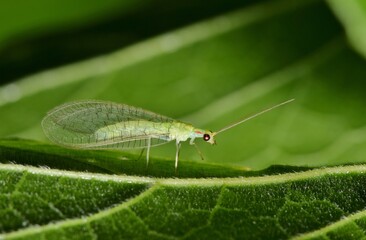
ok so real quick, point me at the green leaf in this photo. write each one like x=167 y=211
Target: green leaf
x=112 y=162
x=217 y=71
x=209 y=73
x=352 y=14
x=36 y=154
x=58 y=15
x=84 y=205
x=352 y=227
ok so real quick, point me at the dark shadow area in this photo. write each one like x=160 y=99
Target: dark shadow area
x=26 y=56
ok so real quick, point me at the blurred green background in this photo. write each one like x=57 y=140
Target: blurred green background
x=207 y=63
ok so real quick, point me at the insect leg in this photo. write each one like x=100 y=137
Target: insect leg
x=177 y=155
x=142 y=151
x=198 y=150
x=148 y=151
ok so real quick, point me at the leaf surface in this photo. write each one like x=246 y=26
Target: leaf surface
x=296 y=172
x=87 y=205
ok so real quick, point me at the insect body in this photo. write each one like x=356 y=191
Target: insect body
x=96 y=124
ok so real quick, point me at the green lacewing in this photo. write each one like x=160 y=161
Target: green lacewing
x=94 y=124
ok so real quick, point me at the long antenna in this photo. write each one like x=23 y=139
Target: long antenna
x=253 y=116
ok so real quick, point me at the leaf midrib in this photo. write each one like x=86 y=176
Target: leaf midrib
x=176 y=182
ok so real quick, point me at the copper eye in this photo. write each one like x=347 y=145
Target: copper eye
x=206 y=137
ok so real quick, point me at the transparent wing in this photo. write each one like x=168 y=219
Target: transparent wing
x=79 y=124
x=136 y=142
